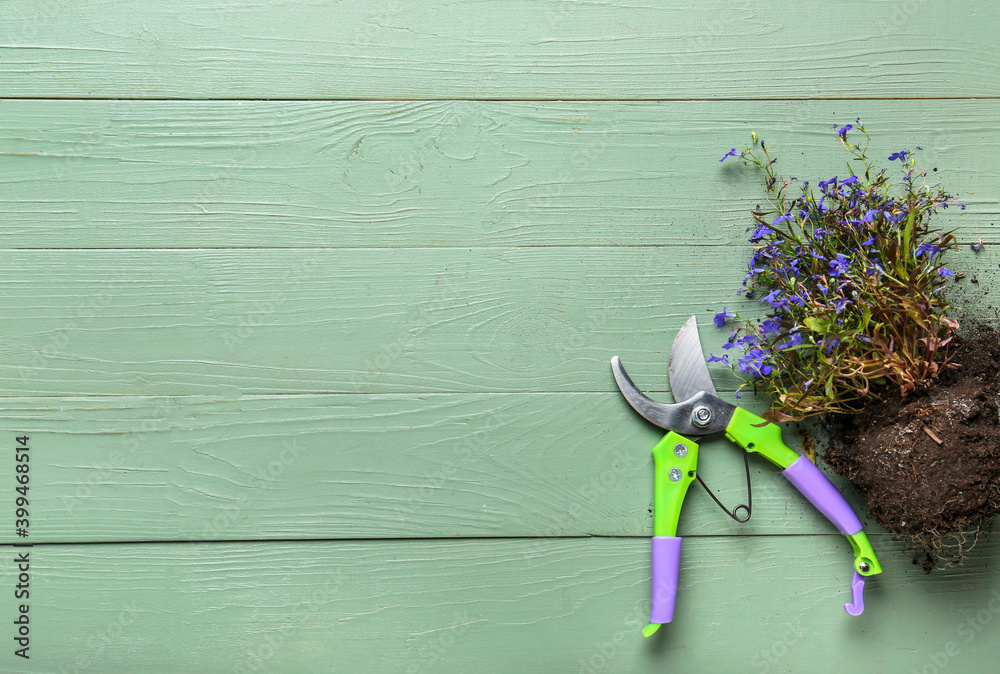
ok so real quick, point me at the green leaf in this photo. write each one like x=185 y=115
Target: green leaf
x=818 y=325
x=829 y=388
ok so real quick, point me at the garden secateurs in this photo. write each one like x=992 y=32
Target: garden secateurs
x=699 y=412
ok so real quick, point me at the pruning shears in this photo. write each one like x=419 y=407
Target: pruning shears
x=699 y=412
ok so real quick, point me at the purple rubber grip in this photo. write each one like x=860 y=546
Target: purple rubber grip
x=814 y=485
x=666 y=564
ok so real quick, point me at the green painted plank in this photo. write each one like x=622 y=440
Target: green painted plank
x=238 y=322
x=760 y=604
x=490 y=49
x=104 y=174
x=349 y=466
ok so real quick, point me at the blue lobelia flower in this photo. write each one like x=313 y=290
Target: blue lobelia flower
x=770 y=326
x=775 y=300
x=838 y=265
x=731 y=153
x=781 y=219
x=842 y=131
x=945 y=272
x=876 y=268
x=901 y=155
x=894 y=219
x=723 y=316
x=712 y=358
x=759 y=233
x=926 y=248
x=754 y=362
x=794 y=339
x=771 y=297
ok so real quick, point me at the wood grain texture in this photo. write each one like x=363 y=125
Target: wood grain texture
x=489 y=49
x=238 y=322
x=239 y=332
x=142 y=174
x=192 y=468
x=496 y=606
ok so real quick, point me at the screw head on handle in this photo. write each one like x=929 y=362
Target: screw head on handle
x=680 y=450
x=674 y=474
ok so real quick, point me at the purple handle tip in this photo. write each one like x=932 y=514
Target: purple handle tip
x=666 y=567
x=857 y=605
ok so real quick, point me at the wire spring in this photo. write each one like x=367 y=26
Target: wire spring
x=748 y=506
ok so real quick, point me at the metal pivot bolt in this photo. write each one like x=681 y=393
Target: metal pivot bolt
x=864 y=567
x=675 y=474
x=701 y=417
x=680 y=450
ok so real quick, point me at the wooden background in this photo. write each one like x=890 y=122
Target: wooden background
x=308 y=309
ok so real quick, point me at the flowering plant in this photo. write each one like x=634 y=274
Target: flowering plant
x=853 y=278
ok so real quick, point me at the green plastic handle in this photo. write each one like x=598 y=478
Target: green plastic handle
x=675 y=460
x=754 y=434
x=865 y=561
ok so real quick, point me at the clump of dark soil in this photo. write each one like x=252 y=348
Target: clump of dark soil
x=930 y=463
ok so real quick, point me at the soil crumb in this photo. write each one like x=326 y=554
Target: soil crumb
x=929 y=464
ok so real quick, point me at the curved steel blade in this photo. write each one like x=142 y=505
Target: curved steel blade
x=678 y=417
x=688 y=369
